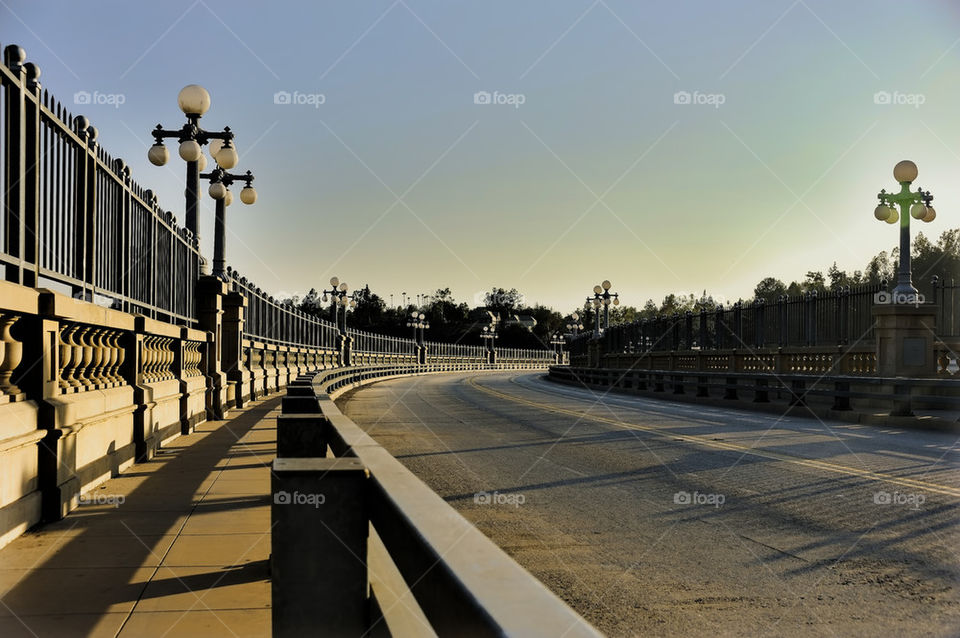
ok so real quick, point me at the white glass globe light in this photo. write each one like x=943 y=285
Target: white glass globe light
x=214 y=147
x=202 y=162
x=881 y=212
x=894 y=216
x=606 y=284
x=158 y=155
x=931 y=215
x=190 y=151
x=217 y=190
x=228 y=198
x=193 y=99
x=334 y=282
x=905 y=171
x=918 y=211
x=227 y=157
x=248 y=195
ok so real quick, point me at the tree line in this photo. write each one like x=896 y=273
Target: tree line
x=457 y=322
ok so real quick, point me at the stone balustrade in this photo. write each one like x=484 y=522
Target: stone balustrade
x=85 y=391
x=857 y=360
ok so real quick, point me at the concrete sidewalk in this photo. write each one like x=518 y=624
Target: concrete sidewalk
x=175 y=547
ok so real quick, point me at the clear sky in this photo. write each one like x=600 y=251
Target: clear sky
x=589 y=169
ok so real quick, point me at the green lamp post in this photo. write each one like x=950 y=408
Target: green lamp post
x=912 y=204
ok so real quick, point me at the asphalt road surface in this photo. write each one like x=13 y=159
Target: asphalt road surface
x=668 y=519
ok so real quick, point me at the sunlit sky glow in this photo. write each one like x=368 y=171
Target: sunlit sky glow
x=401 y=181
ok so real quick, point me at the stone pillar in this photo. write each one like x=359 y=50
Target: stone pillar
x=905 y=338
x=319 y=547
x=234 y=366
x=422 y=354
x=210 y=317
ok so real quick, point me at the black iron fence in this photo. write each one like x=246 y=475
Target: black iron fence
x=71 y=214
x=841 y=317
x=370 y=342
x=457 y=350
x=269 y=320
x=946 y=296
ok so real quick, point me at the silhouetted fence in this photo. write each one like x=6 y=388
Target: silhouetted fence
x=268 y=320
x=71 y=213
x=946 y=295
x=370 y=342
x=841 y=317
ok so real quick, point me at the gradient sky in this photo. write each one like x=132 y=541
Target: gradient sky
x=401 y=181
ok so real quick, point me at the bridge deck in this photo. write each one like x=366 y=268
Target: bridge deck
x=184 y=554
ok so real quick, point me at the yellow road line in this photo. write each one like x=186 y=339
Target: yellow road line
x=723 y=445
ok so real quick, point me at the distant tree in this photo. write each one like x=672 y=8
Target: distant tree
x=880 y=268
x=368 y=314
x=311 y=304
x=814 y=281
x=502 y=301
x=769 y=289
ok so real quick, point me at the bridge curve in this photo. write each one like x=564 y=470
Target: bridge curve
x=652 y=516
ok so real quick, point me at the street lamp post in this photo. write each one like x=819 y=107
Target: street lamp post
x=490 y=336
x=418 y=322
x=602 y=297
x=574 y=324
x=220 y=181
x=194 y=101
x=912 y=204
x=338 y=294
x=557 y=341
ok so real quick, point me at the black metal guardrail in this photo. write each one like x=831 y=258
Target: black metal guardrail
x=361 y=546
x=901 y=395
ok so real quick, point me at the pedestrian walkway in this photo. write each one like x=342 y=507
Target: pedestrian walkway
x=176 y=547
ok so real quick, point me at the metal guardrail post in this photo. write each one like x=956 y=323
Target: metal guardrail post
x=319 y=547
